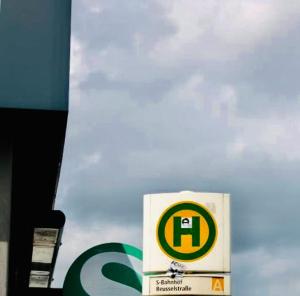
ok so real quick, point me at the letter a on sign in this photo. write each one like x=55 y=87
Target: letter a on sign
x=217 y=284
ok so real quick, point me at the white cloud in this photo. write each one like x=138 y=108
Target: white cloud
x=94 y=6
x=79 y=69
x=217 y=29
x=275 y=135
x=89 y=160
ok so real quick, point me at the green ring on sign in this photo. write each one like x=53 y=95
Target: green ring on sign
x=187 y=256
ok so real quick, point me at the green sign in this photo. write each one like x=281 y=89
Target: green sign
x=111 y=269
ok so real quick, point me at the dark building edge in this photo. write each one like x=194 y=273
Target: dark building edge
x=37 y=140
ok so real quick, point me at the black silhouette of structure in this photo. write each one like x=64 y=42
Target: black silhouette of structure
x=34 y=85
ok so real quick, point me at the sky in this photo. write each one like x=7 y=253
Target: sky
x=172 y=95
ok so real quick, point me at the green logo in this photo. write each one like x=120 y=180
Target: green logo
x=186 y=231
x=106 y=270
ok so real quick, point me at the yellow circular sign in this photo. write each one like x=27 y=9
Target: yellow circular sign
x=186 y=231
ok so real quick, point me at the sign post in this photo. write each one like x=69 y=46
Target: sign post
x=186 y=244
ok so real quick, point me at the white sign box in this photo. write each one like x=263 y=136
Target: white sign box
x=194 y=284
x=187 y=227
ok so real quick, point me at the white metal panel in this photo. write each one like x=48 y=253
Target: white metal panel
x=44 y=241
x=217 y=204
x=45 y=236
x=42 y=254
x=195 y=284
x=227 y=229
x=39 y=279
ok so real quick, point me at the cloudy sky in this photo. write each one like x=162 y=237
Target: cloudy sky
x=171 y=95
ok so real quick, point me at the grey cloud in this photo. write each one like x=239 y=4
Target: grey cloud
x=266 y=77
x=118 y=23
x=156 y=128
x=273 y=69
x=143 y=151
x=266 y=271
x=142 y=91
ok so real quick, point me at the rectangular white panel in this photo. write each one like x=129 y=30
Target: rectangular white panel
x=44 y=240
x=38 y=279
x=195 y=284
x=192 y=228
